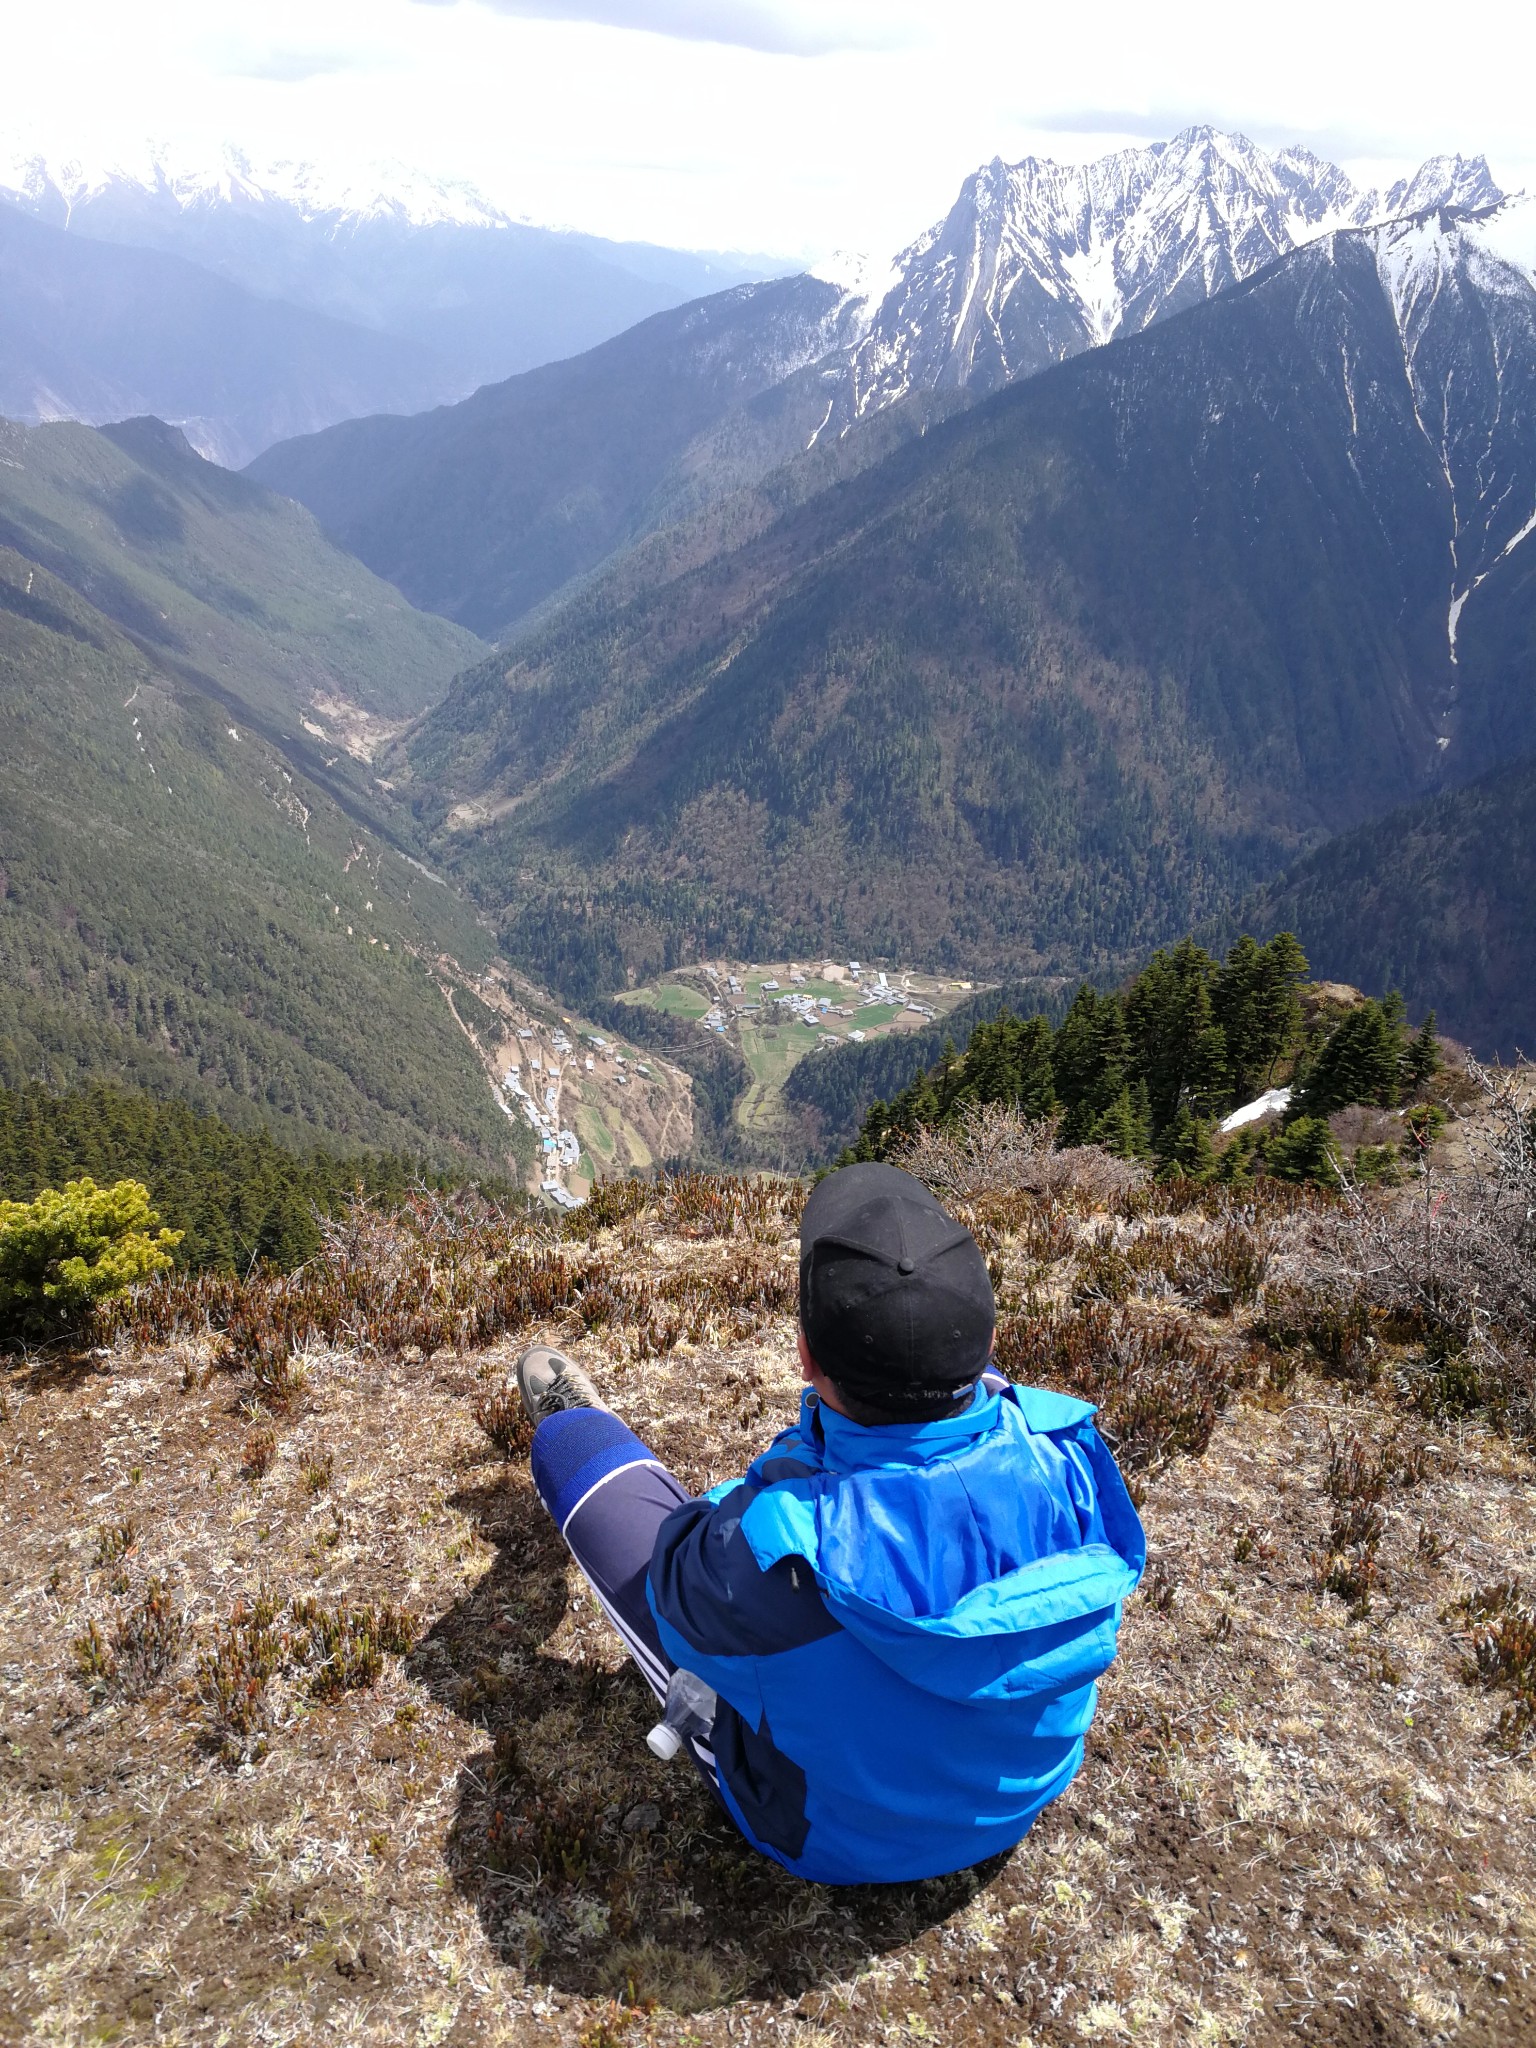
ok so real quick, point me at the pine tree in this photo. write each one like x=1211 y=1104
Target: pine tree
x=1361 y=1062
x=1034 y=1070
x=289 y=1236
x=1304 y=1150
x=1120 y=1130
x=1186 y=1147
x=1423 y=1060
x=1253 y=997
x=1180 y=1048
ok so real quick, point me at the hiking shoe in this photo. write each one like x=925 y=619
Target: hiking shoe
x=549 y=1381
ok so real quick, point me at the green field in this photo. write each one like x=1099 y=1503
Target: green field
x=672 y=999
x=592 y=1129
x=874 y=1015
x=770 y=1051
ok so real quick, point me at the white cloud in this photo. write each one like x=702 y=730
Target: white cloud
x=797 y=126
x=765 y=25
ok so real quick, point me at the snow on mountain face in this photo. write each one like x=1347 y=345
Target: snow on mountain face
x=53 y=187
x=1462 y=287
x=1039 y=260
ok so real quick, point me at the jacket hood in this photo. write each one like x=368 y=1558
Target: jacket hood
x=985 y=1556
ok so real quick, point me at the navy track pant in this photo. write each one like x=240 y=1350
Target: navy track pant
x=608 y=1494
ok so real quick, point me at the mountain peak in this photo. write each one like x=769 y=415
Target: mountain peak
x=1458 y=181
x=1037 y=260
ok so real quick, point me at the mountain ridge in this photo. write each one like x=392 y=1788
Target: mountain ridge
x=552 y=470
x=975 y=304
x=1049 y=682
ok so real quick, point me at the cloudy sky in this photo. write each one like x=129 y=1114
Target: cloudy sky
x=791 y=126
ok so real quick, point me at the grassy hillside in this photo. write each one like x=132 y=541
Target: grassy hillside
x=180 y=907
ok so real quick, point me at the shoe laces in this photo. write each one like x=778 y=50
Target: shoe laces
x=563 y=1392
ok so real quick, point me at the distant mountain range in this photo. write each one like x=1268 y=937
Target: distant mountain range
x=1035 y=263
x=296 y=297
x=1061 y=675
x=98 y=332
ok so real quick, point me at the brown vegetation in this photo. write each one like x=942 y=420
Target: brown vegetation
x=247 y=1796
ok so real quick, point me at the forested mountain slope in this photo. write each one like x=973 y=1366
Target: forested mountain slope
x=1060 y=677
x=484 y=509
x=200 y=891
x=182 y=909
x=208 y=570
x=1437 y=898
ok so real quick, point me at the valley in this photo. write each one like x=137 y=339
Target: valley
x=519 y=749
x=782 y=1013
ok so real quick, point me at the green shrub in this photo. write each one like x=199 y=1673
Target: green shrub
x=1304 y=1150
x=63 y=1253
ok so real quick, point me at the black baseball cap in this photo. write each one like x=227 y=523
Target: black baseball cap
x=895 y=1299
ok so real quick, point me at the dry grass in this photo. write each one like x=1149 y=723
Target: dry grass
x=306 y=1817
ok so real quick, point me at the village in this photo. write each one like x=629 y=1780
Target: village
x=776 y=1014
x=594 y=1105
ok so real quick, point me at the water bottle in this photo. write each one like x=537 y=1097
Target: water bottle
x=689 y=1711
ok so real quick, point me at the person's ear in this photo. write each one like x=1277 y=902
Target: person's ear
x=807 y=1363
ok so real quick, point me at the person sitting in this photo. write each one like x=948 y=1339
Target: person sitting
x=880 y=1644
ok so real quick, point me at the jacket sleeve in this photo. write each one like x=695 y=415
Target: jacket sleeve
x=709 y=1593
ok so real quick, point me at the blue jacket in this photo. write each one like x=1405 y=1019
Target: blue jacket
x=904 y=1626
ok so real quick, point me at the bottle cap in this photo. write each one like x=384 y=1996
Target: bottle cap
x=664 y=1742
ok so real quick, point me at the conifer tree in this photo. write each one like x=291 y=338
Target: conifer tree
x=1120 y=1129
x=288 y=1236
x=1304 y=1150
x=1360 y=1062
x=1254 y=999
x=1422 y=1060
x=1180 y=1047
x=1186 y=1147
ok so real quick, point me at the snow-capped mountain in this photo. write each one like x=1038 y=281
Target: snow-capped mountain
x=63 y=188
x=1038 y=260
x=381 y=289
x=1463 y=292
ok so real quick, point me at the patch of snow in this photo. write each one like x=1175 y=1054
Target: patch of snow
x=1271 y=1103
x=1508 y=234
x=858 y=272
x=1453 y=617
x=1091 y=274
